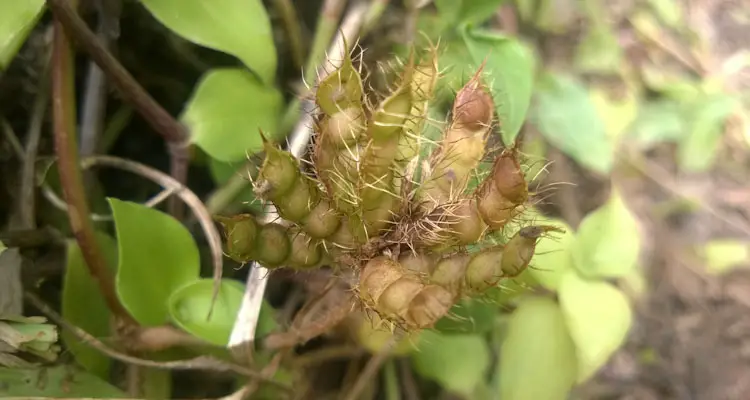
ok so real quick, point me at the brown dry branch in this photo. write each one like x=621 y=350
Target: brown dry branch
x=71 y=180
x=67 y=19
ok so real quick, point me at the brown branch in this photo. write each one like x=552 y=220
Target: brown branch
x=64 y=120
x=197 y=363
x=159 y=119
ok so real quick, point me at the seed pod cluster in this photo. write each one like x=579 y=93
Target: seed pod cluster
x=359 y=206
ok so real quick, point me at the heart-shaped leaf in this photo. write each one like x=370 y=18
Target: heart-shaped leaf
x=538 y=356
x=157 y=256
x=83 y=305
x=237 y=27
x=598 y=316
x=608 y=242
x=190 y=304
x=17 y=19
x=457 y=362
x=469 y=316
x=567 y=117
x=226 y=112
x=510 y=65
x=552 y=257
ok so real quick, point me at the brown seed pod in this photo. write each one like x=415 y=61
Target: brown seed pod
x=399 y=296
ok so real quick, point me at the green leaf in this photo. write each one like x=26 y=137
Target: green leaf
x=567 y=117
x=555 y=16
x=457 y=362
x=722 y=255
x=657 y=122
x=553 y=254
x=537 y=357
x=467 y=11
x=599 y=51
x=84 y=306
x=617 y=114
x=608 y=242
x=17 y=19
x=510 y=67
x=237 y=27
x=189 y=307
x=61 y=382
x=226 y=112
x=157 y=255
x=468 y=316
x=2 y=247
x=598 y=316
x=698 y=151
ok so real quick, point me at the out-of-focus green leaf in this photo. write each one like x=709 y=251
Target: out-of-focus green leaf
x=598 y=316
x=457 y=362
x=510 y=64
x=467 y=11
x=227 y=110
x=190 y=304
x=722 y=255
x=553 y=254
x=698 y=151
x=17 y=19
x=83 y=305
x=567 y=117
x=468 y=316
x=556 y=16
x=669 y=12
x=617 y=114
x=658 y=121
x=60 y=382
x=538 y=356
x=237 y=27
x=2 y=247
x=157 y=255
x=608 y=241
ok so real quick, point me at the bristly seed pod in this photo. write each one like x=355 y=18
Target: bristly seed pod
x=241 y=232
x=399 y=296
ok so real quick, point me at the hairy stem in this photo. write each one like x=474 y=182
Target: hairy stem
x=63 y=108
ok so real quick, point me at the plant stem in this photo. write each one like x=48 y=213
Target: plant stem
x=159 y=119
x=392 y=391
x=294 y=34
x=63 y=111
x=324 y=31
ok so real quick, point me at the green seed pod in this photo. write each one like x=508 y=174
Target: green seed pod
x=297 y=203
x=424 y=80
x=278 y=173
x=484 y=269
x=305 y=252
x=341 y=89
x=343 y=128
x=241 y=232
x=388 y=119
x=273 y=245
x=449 y=272
x=519 y=250
x=322 y=221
